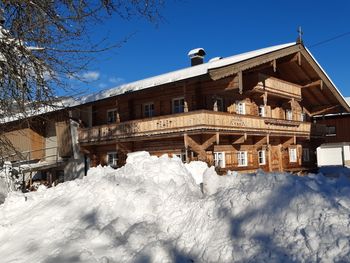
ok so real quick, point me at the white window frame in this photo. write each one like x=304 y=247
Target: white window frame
x=293 y=155
x=262 y=157
x=219 y=159
x=240 y=107
x=289 y=115
x=262 y=111
x=115 y=116
x=306 y=155
x=114 y=161
x=179 y=110
x=242 y=158
x=150 y=112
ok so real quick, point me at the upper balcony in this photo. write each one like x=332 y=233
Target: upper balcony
x=277 y=87
x=195 y=121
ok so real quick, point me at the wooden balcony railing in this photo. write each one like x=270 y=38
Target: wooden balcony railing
x=202 y=120
x=278 y=87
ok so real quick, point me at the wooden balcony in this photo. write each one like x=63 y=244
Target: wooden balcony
x=194 y=121
x=277 y=87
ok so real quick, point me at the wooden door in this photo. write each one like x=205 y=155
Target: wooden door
x=275 y=158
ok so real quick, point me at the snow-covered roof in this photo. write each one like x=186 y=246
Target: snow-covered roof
x=174 y=76
x=178 y=75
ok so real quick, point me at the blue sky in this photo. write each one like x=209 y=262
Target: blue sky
x=222 y=28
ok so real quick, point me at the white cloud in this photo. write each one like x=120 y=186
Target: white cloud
x=90 y=75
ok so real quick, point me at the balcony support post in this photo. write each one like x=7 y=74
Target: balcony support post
x=240 y=82
x=217 y=138
x=274 y=65
x=185 y=98
x=186 y=147
x=200 y=148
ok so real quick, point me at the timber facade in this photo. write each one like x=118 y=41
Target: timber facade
x=246 y=112
x=239 y=114
x=42 y=148
x=337 y=127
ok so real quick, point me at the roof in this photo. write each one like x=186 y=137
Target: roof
x=174 y=76
x=178 y=75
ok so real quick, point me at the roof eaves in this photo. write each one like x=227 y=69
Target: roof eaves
x=337 y=94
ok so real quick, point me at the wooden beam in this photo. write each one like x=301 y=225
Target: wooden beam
x=314 y=84
x=261 y=142
x=199 y=148
x=185 y=141
x=323 y=109
x=274 y=65
x=299 y=58
x=210 y=141
x=265 y=98
x=289 y=142
x=217 y=138
x=233 y=84
x=240 y=82
x=185 y=99
x=325 y=78
x=240 y=139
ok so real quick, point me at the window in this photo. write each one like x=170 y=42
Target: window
x=242 y=158
x=240 y=107
x=178 y=105
x=219 y=159
x=112 y=159
x=331 y=131
x=289 y=115
x=261 y=157
x=306 y=155
x=262 y=111
x=112 y=116
x=292 y=155
x=148 y=110
x=302 y=116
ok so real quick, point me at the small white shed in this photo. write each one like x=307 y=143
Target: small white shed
x=333 y=154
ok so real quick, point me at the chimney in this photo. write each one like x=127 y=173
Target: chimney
x=196 y=55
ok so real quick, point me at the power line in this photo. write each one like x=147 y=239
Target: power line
x=330 y=39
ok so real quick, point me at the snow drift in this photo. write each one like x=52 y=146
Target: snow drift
x=152 y=210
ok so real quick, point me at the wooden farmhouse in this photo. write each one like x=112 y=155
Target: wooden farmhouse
x=245 y=112
x=251 y=111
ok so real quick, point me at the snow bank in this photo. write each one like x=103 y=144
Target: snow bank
x=152 y=210
x=3 y=189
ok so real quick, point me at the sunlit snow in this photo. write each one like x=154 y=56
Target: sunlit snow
x=152 y=210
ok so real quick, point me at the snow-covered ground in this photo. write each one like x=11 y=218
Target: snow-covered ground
x=153 y=210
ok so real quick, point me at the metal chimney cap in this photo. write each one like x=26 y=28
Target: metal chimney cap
x=197 y=52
